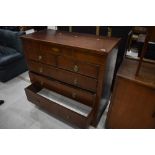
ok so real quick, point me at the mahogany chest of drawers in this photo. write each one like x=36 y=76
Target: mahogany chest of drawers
x=76 y=68
x=133 y=100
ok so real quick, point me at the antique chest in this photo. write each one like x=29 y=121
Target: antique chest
x=71 y=74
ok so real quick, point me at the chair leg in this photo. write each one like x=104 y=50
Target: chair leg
x=139 y=65
x=128 y=43
x=141 y=57
x=1 y=102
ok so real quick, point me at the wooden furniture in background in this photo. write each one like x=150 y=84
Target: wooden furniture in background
x=150 y=37
x=133 y=101
x=135 y=35
x=77 y=66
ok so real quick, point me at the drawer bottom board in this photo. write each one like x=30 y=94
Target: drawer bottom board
x=66 y=102
x=73 y=112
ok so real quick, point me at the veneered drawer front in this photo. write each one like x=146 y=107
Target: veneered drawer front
x=52 y=49
x=64 y=76
x=31 y=50
x=73 y=53
x=83 y=55
x=33 y=47
x=47 y=58
x=78 y=67
x=34 y=53
x=57 y=109
x=64 y=89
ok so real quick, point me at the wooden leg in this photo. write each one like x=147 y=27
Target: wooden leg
x=1 y=102
x=141 y=57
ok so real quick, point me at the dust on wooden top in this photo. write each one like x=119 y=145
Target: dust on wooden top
x=98 y=44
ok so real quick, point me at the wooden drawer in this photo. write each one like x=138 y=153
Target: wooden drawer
x=58 y=109
x=32 y=50
x=52 y=49
x=78 y=67
x=64 y=89
x=72 y=53
x=47 y=58
x=64 y=76
x=34 y=53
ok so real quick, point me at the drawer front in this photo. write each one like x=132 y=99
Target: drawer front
x=51 y=49
x=78 y=67
x=82 y=55
x=31 y=50
x=56 y=109
x=34 y=53
x=66 y=90
x=64 y=76
x=72 y=53
x=47 y=58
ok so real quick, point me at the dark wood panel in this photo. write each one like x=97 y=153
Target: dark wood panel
x=50 y=49
x=72 y=53
x=33 y=49
x=132 y=106
x=78 y=66
x=47 y=58
x=64 y=76
x=133 y=100
x=34 y=53
x=66 y=90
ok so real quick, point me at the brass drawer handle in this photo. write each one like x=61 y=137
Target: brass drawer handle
x=55 y=49
x=40 y=70
x=39 y=57
x=73 y=95
x=75 y=82
x=76 y=68
x=68 y=117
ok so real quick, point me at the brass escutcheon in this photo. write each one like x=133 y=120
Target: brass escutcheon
x=73 y=95
x=55 y=49
x=75 y=82
x=39 y=57
x=40 y=70
x=76 y=68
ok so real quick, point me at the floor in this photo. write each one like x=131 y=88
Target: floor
x=132 y=54
x=18 y=113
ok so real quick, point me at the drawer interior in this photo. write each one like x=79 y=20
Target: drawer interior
x=66 y=102
x=64 y=108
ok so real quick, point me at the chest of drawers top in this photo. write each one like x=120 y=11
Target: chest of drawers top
x=97 y=44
